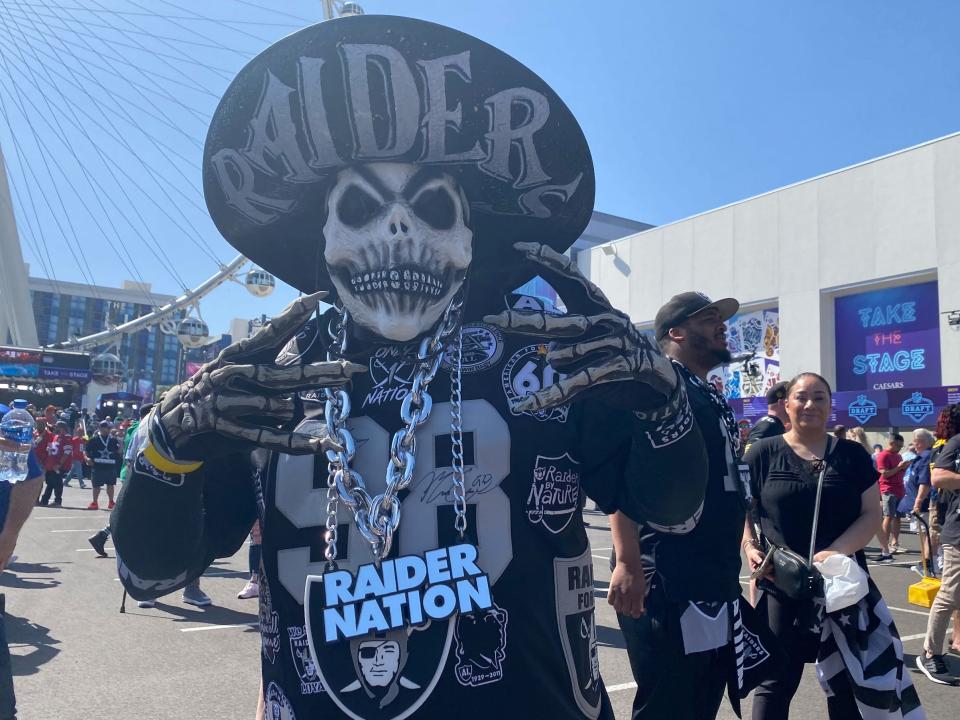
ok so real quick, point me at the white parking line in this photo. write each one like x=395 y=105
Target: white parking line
x=621 y=686
x=105 y=547
x=78 y=530
x=217 y=627
x=58 y=517
x=925 y=613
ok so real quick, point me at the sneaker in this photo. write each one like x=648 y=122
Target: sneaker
x=97 y=541
x=146 y=603
x=111 y=505
x=66 y=483
x=196 y=596
x=57 y=503
x=12 y=560
x=885 y=559
x=935 y=669
x=897 y=549
x=82 y=485
x=250 y=590
x=93 y=506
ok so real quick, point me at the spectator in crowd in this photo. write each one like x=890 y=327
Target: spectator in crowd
x=671 y=586
x=948 y=425
x=840 y=432
x=55 y=452
x=16 y=502
x=78 y=440
x=252 y=588
x=784 y=475
x=133 y=443
x=858 y=435
x=103 y=457
x=917 y=488
x=891 y=467
x=946 y=479
x=909 y=453
x=773 y=423
x=877 y=449
x=50 y=418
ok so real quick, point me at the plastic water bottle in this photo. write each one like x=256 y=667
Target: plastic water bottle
x=16 y=426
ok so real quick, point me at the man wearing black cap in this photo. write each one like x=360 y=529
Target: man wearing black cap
x=103 y=456
x=674 y=590
x=773 y=423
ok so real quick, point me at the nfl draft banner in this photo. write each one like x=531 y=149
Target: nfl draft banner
x=873 y=409
x=888 y=339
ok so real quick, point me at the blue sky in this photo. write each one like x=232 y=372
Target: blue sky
x=686 y=105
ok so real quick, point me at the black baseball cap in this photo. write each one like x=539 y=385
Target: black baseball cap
x=777 y=393
x=685 y=305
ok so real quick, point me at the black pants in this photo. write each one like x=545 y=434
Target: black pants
x=671 y=684
x=54 y=482
x=771 y=700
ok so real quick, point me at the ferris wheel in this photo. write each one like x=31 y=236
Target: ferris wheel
x=103 y=111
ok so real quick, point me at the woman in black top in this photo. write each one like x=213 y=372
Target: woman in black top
x=784 y=472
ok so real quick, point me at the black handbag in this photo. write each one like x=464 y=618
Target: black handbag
x=794 y=575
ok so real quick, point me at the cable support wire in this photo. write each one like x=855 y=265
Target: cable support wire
x=162 y=257
x=20 y=212
x=81 y=261
x=168 y=150
x=219 y=21
x=129 y=266
x=200 y=242
x=197 y=16
x=89 y=24
x=176 y=127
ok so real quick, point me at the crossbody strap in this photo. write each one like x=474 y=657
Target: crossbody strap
x=816 y=506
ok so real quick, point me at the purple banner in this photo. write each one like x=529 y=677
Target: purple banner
x=872 y=409
x=888 y=339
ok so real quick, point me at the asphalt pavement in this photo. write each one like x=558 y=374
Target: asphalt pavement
x=75 y=657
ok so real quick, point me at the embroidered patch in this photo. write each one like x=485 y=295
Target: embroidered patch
x=554 y=493
x=481 y=646
x=527 y=372
x=482 y=348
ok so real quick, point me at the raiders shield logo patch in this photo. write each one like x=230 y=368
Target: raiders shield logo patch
x=386 y=676
x=573 y=578
x=554 y=493
x=303 y=661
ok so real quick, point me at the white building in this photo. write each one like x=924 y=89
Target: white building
x=893 y=222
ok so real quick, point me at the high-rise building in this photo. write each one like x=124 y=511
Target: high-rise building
x=64 y=310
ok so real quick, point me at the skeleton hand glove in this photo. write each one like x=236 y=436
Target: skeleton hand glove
x=597 y=347
x=244 y=397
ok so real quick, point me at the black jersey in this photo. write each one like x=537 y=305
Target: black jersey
x=767 y=426
x=703 y=564
x=534 y=653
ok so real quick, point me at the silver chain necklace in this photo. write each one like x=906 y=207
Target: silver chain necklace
x=378 y=518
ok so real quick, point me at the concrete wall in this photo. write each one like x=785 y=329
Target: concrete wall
x=890 y=221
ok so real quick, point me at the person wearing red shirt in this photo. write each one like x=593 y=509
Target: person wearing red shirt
x=55 y=452
x=891 y=467
x=78 y=441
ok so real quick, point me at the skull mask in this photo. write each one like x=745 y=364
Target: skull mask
x=397 y=245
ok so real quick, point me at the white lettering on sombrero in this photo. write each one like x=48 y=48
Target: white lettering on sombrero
x=287 y=120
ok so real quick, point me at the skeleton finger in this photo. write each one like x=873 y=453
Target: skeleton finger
x=277 y=330
x=292 y=443
x=565 y=389
x=563 y=326
x=269 y=378
x=281 y=408
x=563 y=268
x=567 y=354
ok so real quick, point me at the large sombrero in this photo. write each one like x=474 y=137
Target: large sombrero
x=390 y=89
